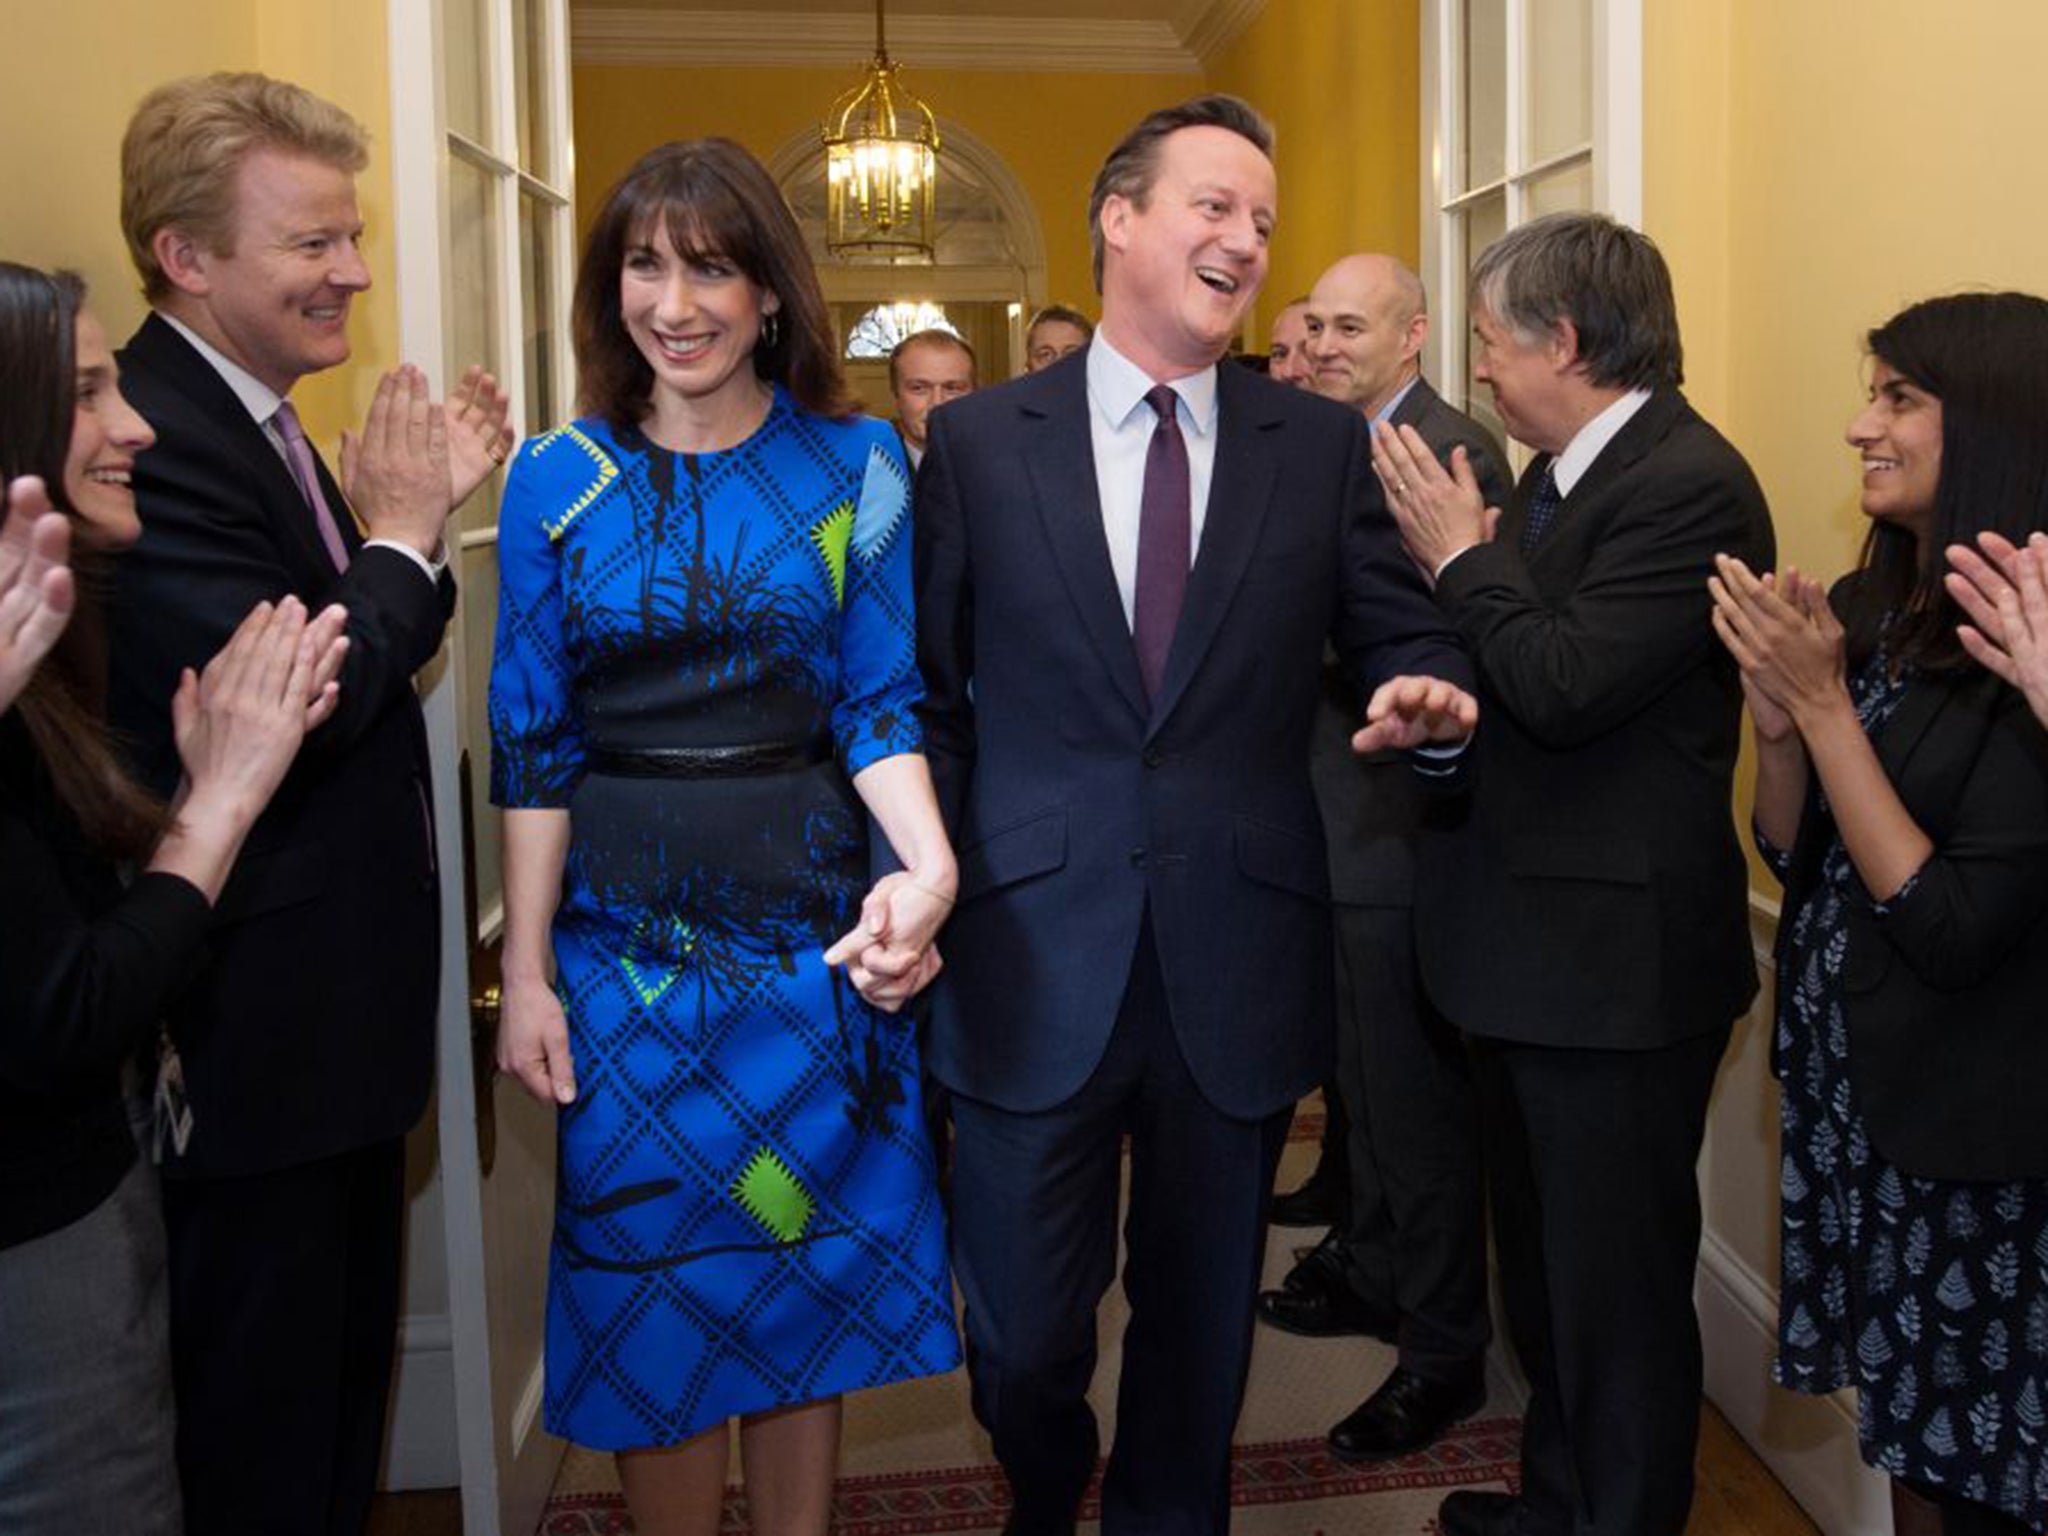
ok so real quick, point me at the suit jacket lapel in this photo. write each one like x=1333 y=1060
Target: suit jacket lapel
x=1059 y=455
x=173 y=359
x=1414 y=405
x=1240 y=490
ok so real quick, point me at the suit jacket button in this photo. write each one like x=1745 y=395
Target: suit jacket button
x=1137 y=858
x=1154 y=757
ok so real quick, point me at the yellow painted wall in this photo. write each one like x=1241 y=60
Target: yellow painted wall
x=79 y=71
x=1052 y=130
x=1809 y=170
x=1814 y=167
x=1338 y=78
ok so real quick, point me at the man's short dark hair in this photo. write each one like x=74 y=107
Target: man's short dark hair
x=931 y=336
x=1133 y=165
x=1609 y=280
x=1060 y=314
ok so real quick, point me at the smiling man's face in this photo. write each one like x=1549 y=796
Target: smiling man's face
x=1180 y=272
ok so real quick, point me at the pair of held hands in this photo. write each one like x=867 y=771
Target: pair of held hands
x=1790 y=646
x=889 y=956
x=416 y=459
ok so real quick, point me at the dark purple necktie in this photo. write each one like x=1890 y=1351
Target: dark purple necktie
x=1163 y=534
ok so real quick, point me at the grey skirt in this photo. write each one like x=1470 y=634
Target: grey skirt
x=86 y=1422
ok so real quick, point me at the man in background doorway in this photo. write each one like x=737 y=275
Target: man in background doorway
x=927 y=369
x=1055 y=332
x=1287 y=347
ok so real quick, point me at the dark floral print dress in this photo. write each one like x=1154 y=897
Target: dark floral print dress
x=1929 y=1296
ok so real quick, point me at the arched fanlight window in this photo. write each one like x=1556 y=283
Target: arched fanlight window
x=876 y=333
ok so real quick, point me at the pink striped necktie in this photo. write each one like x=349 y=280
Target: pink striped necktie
x=299 y=454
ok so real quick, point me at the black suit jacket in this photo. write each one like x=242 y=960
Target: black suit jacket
x=1076 y=805
x=1371 y=806
x=311 y=1030
x=1946 y=988
x=1594 y=891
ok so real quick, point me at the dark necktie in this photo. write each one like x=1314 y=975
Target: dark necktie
x=1163 y=536
x=299 y=455
x=1543 y=505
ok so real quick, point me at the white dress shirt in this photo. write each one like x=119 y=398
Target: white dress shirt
x=1586 y=444
x=1120 y=424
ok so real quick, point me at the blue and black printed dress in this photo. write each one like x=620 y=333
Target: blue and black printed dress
x=694 y=653
x=1929 y=1296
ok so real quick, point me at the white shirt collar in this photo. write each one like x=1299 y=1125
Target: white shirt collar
x=258 y=398
x=1589 y=440
x=1117 y=386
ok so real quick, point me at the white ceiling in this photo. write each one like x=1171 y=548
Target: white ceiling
x=1165 y=36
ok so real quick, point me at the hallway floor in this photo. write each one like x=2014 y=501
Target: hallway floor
x=914 y=1460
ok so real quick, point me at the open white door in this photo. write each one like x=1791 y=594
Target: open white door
x=483 y=217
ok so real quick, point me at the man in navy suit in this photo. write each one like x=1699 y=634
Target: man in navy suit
x=1127 y=567
x=308 y=1039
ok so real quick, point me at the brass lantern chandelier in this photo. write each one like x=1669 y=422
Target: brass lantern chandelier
x=881 y=169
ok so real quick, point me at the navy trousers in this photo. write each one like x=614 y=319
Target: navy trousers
x=1034 y=1232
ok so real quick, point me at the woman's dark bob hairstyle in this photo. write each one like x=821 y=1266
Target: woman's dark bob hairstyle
x=1984 y=356
x=713 y=199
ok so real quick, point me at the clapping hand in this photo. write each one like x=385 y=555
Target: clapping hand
x=890 y=955
x=2004 y=590
x=479 y=436
x=1440 y=512
x=396 y=474
x=36 y=591
x=238 y=723
x=1785 y=638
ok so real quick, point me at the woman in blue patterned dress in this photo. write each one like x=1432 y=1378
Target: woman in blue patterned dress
x=1902 y=797
x=703 y=686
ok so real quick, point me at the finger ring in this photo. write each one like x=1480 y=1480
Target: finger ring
x=497 y=452
x=1400 y=487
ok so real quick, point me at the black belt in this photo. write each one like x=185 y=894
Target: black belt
x=735 y=762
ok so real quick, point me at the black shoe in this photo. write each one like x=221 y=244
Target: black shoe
x=1469 y=1512
x=1323 y=1200
x=1407 y=1413
x=1318 y=1303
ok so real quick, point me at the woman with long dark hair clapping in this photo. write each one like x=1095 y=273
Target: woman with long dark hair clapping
x=1902 y=797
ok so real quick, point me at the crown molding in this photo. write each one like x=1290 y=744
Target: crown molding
x=1065 y=45
x=1207 y=27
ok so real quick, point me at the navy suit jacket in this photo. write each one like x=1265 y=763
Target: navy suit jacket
x=311 y=1029
x=1077 y=805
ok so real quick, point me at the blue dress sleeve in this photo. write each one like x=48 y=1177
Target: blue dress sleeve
x=536 y=728
x=874 y=717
